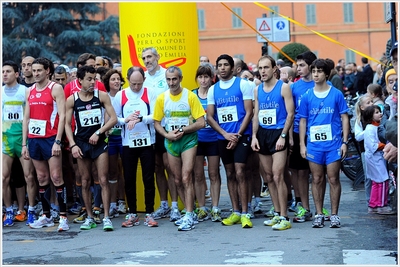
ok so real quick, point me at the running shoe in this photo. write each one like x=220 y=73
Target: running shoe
x=257 y=208
x=96 y=215
x=216 y=215
x=43 y=221
x=208 y=195
x=386 y=210
x=161 y=212
x=187 y=223
x=282 y=225
x=31 y=217
x=82 y=217
x=107 y=224
x=250 y=212
x=203 y=215
x=372 y=210
x=113 y=213
x=175 y=215
x=292 y=205
x=149 y=221
x=182 y=218
x=276 y=219
x=270 y=213
x=318 y=221
x=298 y=207
x=121 y=207
x=75 y=209
x=232 y=219
x=63 y=224
x=302 y=215
x=131 y=220
x=39 y=209
x=55 y=214
x=264 y=192
x=335 y=221
x=20 y=216
x=245 y=220
x=327 y=217
x=9 y=219
x=183 y=212
x=88 y=224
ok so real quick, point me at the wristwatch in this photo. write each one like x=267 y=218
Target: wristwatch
x=58 y=142
x=98 y=132
x=140 y=117
x=283 y=135
x=346 y=143
x=181 y=130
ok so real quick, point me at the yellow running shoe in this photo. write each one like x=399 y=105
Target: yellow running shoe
x=282 y=225
x=245 y=219
x=231 y=220
x=273 y=221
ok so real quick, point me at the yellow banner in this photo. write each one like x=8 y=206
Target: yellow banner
x=171 y=28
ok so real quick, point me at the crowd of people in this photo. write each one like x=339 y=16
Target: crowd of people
x=73 y=138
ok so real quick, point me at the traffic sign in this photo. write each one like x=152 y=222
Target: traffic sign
x=264 y=26
x=275 y=29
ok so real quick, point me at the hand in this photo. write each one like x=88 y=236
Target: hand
x=280 y=144
x=303 y=151
x=390 y=153
x=93 y=139
x=56 y=150
x=132 y=123
x=76 y=152
x=254 y=144
x=343 y=151
x=174 y=135
x=25 y=153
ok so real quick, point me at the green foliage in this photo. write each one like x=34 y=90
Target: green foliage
x=58 y=31
x=292 y=50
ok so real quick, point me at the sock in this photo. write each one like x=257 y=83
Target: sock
x=113 y=205
x=62 y=198
x=30 y=208
x=10 y=209
x=164 y=203
x=44 y=194
x=237 y=212
x=97 y=195
x=79 y=192
x=298 y=199
x=174 y=204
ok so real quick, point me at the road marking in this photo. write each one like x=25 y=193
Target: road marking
x=264 y=257
x=139 y=258
x=371 y=257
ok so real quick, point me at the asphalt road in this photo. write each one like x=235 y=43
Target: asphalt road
x=363 y=239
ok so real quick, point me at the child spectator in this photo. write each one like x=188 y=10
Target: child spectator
x=375 y=164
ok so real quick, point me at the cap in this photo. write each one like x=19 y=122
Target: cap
x=394 y=48
x=280 y=62
x=65 y=67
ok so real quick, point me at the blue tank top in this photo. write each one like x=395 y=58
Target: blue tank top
x=272 y=109
x=229 y=105
x=206 y=134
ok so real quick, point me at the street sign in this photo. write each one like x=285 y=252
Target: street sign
x=388 y=14
x=281 y=30
x=275 y=29
x=264 y=26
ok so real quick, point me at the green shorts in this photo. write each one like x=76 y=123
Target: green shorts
x=12 y=145
x=176 y=148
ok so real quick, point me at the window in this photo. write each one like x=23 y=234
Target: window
x=236 y=22
x=275 y=11
x=348 y=13
x=201 y=20
x=310 y=14
x=350 y=56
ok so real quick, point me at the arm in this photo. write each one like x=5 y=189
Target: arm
x=59 y=96
x=254 y=141
x=25 y=123
x=288 y=98
x=110 y=112
x=302 y=136
x=345 y=127
x=69 y=110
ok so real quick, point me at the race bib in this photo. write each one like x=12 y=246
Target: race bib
x=90 y=117
x=267 y=117
x=321 y=133
x=139 y=139
x=227 y=114
x=37 y=127
x=13 y=113
x=174 y=123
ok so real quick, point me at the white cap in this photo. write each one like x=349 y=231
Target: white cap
x=65 y=67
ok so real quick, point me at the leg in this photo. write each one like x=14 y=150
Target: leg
x=30 y=180
x=7 y=163
x=188 y=158
x=215 y=179
x=56 y=175
x=199 y=180
x=318 y=184
x=333 y=172
x=278 y=169
x=130 y=161
x=101 y=163
x=242 y=184
x=147 y=161
x=85 y=166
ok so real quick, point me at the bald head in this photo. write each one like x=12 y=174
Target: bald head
x=26 y=65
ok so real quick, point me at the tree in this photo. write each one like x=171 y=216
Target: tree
x=292 y=50
x=57 y=31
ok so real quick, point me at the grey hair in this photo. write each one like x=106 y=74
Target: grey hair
x=172 y=69
x=153 y=50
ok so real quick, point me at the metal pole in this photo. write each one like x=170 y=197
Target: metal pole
x=264 y=48
x=393 y=23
